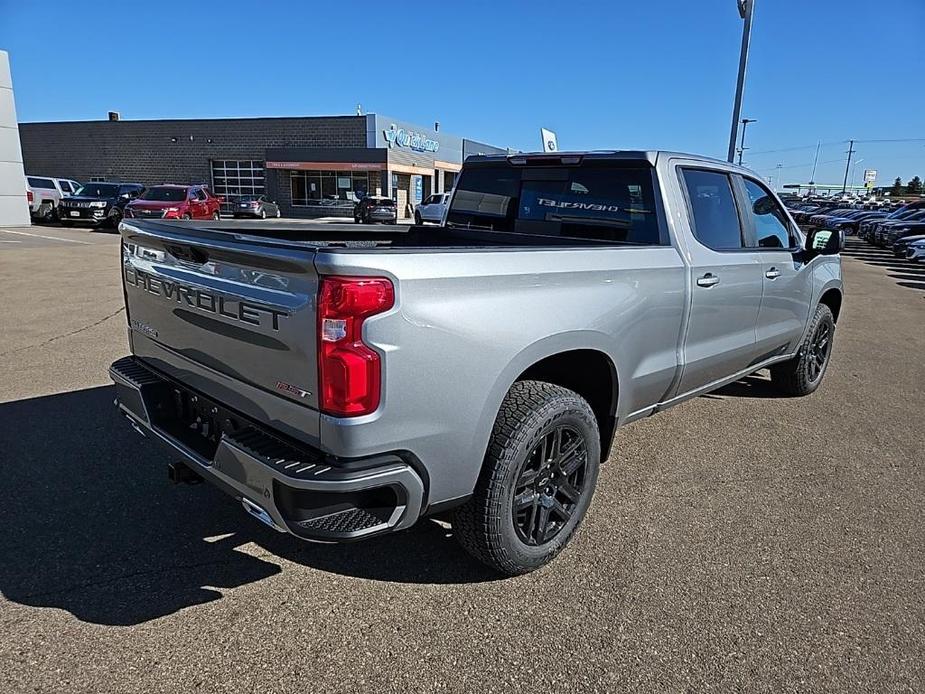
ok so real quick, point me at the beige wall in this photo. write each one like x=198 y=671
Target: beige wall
x=13 y=207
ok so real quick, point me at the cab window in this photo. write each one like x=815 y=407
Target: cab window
x=772 y=228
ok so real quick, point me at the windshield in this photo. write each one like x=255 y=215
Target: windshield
x=248 y=198
x=99 y=190
x=600 y=201
x=165 y=194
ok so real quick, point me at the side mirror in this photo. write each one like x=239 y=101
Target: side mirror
x=823 y=242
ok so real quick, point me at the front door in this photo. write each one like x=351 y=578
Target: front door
x=726 y=283
x=787 y=281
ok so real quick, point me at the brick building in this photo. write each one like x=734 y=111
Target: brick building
x=312 y=166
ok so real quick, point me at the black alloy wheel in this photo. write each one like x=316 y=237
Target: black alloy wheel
x=820 y=347
x=550 y=485
x=803 y=374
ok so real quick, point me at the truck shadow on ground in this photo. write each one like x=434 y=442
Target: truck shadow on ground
x=91 y=526
x=906 y=274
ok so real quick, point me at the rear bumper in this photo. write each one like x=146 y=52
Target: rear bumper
x=286 y=485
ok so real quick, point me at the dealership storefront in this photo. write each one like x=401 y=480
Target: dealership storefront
x=314 y=166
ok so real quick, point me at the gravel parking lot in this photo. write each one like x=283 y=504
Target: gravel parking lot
x=738 y=542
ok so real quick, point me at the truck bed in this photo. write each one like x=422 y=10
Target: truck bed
x=348 y=236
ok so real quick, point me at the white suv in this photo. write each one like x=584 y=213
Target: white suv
x=432 y=209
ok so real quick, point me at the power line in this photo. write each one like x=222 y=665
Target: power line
x=901 y=139
x=836 y=142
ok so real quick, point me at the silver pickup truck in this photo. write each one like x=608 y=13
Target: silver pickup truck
x=344 y=384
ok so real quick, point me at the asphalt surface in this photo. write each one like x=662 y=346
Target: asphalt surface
x=740 y=542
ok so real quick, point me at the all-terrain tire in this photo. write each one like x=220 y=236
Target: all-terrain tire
x=531 y=412
x=803 y=374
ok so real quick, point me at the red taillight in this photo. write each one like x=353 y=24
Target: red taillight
x=29 y=196
x=349 y=371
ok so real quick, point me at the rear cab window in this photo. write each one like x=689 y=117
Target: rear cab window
x=614 y=201
x=37 y=182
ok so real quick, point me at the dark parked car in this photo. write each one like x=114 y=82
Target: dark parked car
x=255 y=206
x=375 y=209
x=819 y=219
x=868 y=228
x=175 y=202
x=851 y=225
x=883 y=230
x=98 y=204
x=901 y=246
x=914 y=224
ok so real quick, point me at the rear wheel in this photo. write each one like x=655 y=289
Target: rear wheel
x=186 y=216
x=48 y=213
x=216 y=216
x=263 y=214
x=417 y=218
x=536 y=482
x=803 y=374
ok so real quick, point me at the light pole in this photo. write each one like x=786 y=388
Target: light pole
x=745 y=122
x=746 y=10
x=854 y=171
x=779 y=167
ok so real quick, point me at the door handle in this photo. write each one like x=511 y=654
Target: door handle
x=708 y=280
x=772 y=274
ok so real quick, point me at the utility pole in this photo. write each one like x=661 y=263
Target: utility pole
x=779 y=167
x=812 y=176
x=746 y=10
x=844 y=185
x=745 y=122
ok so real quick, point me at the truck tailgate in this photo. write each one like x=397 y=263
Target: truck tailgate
x=238 y=305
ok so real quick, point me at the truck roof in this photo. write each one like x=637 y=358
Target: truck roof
x=650 y=156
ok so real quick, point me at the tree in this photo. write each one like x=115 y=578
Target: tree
x=897 y=188
x=915 y=186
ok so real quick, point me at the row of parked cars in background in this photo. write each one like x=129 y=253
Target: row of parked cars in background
x=106 y=204
x=897 y=227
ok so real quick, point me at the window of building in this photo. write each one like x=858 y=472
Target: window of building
x=328 y=188
x=714 y=214
x=772 y=230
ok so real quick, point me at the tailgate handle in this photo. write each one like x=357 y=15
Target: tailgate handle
x=188 y=253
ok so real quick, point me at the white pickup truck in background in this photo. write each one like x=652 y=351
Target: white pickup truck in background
x=43 y=194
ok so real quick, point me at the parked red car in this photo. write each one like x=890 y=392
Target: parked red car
x=175 y=202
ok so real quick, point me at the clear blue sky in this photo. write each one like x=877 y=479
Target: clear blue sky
x=605 y=74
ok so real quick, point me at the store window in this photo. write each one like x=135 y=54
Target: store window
x=328 y=188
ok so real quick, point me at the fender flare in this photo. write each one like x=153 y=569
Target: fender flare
x=528 y=356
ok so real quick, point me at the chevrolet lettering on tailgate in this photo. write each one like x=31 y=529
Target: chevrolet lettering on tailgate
x=193 y=297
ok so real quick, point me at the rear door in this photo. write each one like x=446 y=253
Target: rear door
x=726 y=284
x=787 y=282
x=240 y=307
